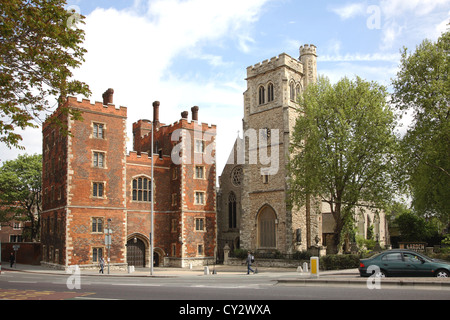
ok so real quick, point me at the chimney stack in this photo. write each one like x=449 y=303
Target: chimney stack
x=194 y=113
x=184 y=115
x=108 y=96
x=156 y=113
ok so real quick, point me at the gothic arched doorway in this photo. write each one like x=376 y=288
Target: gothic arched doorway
x=136 y=252
x=267 y=228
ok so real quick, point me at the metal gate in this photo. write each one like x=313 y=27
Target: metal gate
x=136 y=253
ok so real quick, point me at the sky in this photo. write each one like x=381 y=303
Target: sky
x=187 y=53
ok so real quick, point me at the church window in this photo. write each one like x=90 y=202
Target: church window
x=262 y=95
x=270 y=92
x=236 y=176
x=232 y=217
x=292 y=90
x=142 y=189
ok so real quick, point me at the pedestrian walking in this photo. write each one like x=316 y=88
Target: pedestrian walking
x=250 y=260
x=12 y=259
x=102 y=265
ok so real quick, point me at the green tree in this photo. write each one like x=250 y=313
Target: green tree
x=422 y=87
x=20 y=192
x=343 y=149
x=39 y=48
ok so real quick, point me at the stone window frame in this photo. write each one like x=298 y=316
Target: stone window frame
x=95 y=253
x=95 y=190
x=203 y=146
x=200 y=250
x=270 y=92
x=203 y=172
x=95 y=132
x=96 y=159
x=261 y=95
x=199 y=224
x=237 y=176
x=149 y=195
x=196 y=202
x=96 y=219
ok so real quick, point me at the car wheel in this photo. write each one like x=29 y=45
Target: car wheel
x=442 y=274
x=381 y=274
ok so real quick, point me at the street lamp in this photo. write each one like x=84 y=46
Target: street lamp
x=108 y=241
x=152 y=199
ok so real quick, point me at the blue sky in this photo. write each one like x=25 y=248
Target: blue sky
x=195 y=52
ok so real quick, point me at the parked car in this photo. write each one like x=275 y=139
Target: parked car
x=403 y=263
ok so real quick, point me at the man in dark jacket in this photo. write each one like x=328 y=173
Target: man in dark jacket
x=250 y=260
x=12 y=259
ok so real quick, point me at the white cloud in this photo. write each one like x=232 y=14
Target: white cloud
x=397 y=16
x=132 y=51
x=349 y=10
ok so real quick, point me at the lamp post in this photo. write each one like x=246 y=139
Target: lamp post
x=152 y=203
x=108 y=241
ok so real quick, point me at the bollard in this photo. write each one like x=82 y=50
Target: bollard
x=315 y=267
x=305 y=267
x=206 y=270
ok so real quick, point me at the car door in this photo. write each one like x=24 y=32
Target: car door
x=416 y=265
x=393 y=263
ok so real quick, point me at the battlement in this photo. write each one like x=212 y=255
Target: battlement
x=308 y=49
x=87 y=105
x=267 y=65
x=144 y=158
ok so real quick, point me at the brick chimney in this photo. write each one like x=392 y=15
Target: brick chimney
x=194 y=113
x=156 y=113
x=108 y=96
x=184 y=115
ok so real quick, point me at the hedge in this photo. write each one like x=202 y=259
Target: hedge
x=339 y=261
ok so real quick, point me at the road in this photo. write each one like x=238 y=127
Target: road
x=193 y=288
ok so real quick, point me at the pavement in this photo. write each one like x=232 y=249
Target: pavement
x=283 y=276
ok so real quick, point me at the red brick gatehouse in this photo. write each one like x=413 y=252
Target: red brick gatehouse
x=92 y=184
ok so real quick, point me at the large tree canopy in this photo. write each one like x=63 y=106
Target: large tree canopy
x=20 y=192
x=422 y=87
x=39 y=48
x=343 y=148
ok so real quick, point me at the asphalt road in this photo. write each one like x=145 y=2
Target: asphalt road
x=195 y=288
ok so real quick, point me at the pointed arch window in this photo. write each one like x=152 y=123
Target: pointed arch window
x=292 y=90
x=270 y=92
x=232 y=216
x=262 y=95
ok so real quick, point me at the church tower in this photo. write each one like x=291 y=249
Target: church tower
x=268 y=223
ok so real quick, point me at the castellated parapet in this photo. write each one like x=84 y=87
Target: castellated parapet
x=274 y=63
x=308 y=50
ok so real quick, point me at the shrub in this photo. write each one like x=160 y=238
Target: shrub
x=339 y=261
x=240 y=253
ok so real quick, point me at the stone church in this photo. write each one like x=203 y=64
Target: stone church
x=253 y=207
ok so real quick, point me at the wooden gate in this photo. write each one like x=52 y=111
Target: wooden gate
x=136 y=253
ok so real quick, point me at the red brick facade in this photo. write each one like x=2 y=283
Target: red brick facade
x=90 y=183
